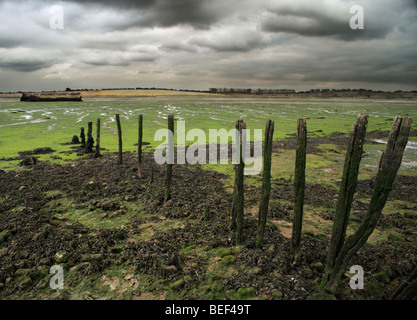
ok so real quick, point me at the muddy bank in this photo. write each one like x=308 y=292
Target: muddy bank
x=337 y=138
x=37 y=232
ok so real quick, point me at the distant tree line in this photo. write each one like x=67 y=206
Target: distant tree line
x=347 y=90
x=260 y=91
x=154 y=88
x=250 y=91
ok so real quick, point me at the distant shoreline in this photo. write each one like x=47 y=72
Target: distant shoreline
x=147 y=93
x=115 y=93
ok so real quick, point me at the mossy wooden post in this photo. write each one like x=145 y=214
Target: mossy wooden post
x=140 y=140
x=82 y=136
x=97 y=155
x=347 y=189
x=119 y=133
x=240 y=169
x=90 y=141
x=266 y=182
x=170 y=157
x=388 y=167
x=232 y=223
x=299 y=188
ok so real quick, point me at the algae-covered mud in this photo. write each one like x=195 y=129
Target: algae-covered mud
x=36 y=125
x=115 y=238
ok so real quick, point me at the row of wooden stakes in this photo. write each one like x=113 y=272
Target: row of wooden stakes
x=341 y=248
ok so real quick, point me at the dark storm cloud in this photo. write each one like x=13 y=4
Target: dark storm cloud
x=199 y=14
x=24 y=65
x=319 y=22
x=113 y=3
x=196 y=13
x=199 y=43
x=129 y=4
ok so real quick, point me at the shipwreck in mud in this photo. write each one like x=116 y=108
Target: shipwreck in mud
x=50 y=97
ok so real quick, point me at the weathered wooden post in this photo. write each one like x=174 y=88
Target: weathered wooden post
x=82 y=136
x=347 y=190
x=388 y=167
x=266 y=182
x=90 y=141
x=240 y=169
x=119 y=133
x=97 y=155
x=170 y=157
x=140 y=139
x=232 y=223
x=299 y=188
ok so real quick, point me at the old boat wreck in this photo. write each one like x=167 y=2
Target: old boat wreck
x=51 y=97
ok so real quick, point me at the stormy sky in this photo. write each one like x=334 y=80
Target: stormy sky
x=198 y=44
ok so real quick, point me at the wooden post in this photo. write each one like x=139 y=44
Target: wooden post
x=232 y=223
x=266 y=182
x=119 y=132
x=170 y=151
x=140 y=139
x=90 y=141
x=299 y=188
x=240 y=169
x=97 y=155
x=82 y=136
x=388 y=167
x=347 y=189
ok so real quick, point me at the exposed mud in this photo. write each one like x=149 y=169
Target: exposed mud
x=337 y=138
x=34 y=238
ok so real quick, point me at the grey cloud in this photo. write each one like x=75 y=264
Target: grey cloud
x=24 y=65
x=7 y=42
x=320 y=62
x=178 y=46
x=198 y=44
x=199 y=14
x=234 y=42
x=125 y=4
x=116 y=58
x=111 y=3
x=190 y=12
x=319 y=22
